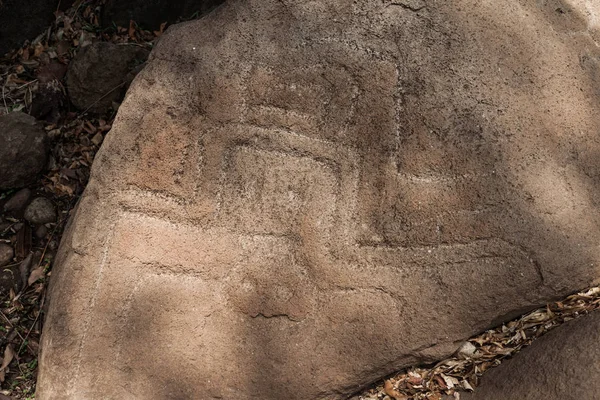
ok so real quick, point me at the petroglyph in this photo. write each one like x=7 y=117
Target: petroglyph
x=322 y=193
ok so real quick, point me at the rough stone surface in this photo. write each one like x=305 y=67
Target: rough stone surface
x=23 y=150
x=150 y=14
x=562 y=365
x=18 y=201
x=99 y=74
x=40 y=211
x=298 y=198
x=6 y=254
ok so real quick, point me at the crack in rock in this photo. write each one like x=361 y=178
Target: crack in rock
x=412 y=5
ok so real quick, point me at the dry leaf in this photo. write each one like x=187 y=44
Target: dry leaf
x=161 y=30
x=35 y=275
x=39 y=49
x=450 y=381
x=467 y=386
x=441 y=382
x=388 y=388
x=131 y=31
x=9 y=354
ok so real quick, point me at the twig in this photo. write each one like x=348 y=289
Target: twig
x=11 y=325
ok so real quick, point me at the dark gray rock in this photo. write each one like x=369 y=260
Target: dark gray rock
x=99 y=74
x=40 y=211
x=151 y=13
x=6 y=254
x=562 y=365
x=41 y=232
x=23 y=150
x=18 y=201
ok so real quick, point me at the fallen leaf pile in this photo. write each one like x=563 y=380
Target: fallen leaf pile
x=462 y=371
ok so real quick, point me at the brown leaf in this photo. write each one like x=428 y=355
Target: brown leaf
x=413 y=380
x=38 y=49
x=388 y=388
x=35 y=275
x=441 y=382
x=131 y=31
x=159 y=32
x=23 y=243
x=9 y=354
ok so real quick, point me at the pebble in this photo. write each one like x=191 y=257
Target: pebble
x=18 y=201
x=40 y=211
x=41 y=232
x=6 y=254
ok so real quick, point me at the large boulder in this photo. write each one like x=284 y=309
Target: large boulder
x=299 y=197
x=23 y=150
x=563 y=365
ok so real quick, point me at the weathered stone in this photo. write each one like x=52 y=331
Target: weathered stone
x=562 y=365
x=40 y=211
x=23 y=150
x=41 y=232
x=298 y=198
x=6 y=254
x=18 y=201
x=98 y=75
x=150 y=14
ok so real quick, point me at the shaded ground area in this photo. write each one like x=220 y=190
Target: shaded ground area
x=75 y=138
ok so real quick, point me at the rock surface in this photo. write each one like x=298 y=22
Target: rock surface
x=149 y=14
x=99 y=74
x=18 y=201
x=6 y=254
x=298 y=198
x=23 y=150
x=40 y=211
x=562 y=365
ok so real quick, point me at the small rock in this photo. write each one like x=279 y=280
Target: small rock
x=23 y=150
x=41 y=232
x=48 y=101
x=466 y=350
x=40 y=211
x=18 y=201
x=6 y=254
x=98 y=75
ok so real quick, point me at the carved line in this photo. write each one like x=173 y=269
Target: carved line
x=92 y=305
